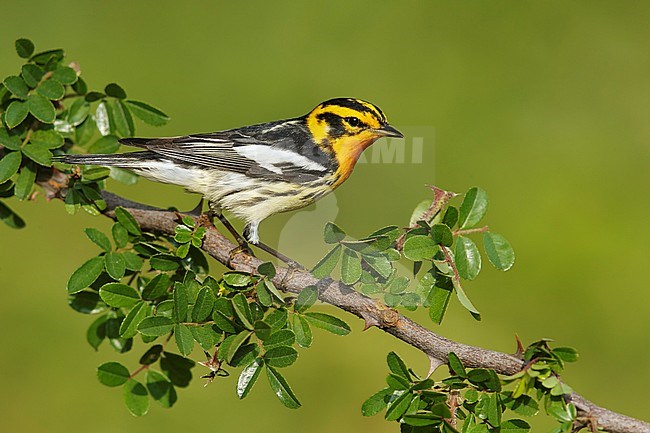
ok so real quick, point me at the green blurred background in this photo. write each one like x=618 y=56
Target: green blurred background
x=545 y=105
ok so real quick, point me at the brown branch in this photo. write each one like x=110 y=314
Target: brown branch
x=372 y=312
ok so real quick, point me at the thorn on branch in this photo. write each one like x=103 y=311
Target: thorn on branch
x=434 y=363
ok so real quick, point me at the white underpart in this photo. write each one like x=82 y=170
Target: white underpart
x=169 y=172
x=267 y=157
x=250 y=199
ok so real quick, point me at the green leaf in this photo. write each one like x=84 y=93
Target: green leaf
x=306 y=298
x=523 y=405
x=464 y=300
x=281 y=356
x=381 y=264
x=121 y=118
x=350 y=267
x=157 y=287
x=499 y=251
x=127 y=220
x=132 y=261
x=284 y=337
x=16 y=113
x=16 y=85
x=456 y=365
x=48 y=57
x=135 y=397
x=112 y=374
x=237 y=279
x=376 y=403
x=566 y=354
x=164 y=262
x=451 y=217
x=263 y=295
x=243 y=310
x=267 y=269
x=123 y=176
x=514 y=426
x=236 y=341
x=41 y=108
x=473 y=208
x=24 y=48
x=302 y=330
x=97 y=331
x=467 y=258
x=262 y=330
x=85 y=131
x=129 y=326
x=119 y=295
x=441 y=234
x=184 y=339
x=85 y=275
x=10 y=218
x=152 y=355
x=99 y=239
x=161 y=388
x=203 y=305
x=147 y=113
x=9 y=165
x=399 y=405
x=281 y=388
x=333 y=234
x=48 y=138
x=65 y=75
x=94 y=173
x=51 y=89
x=9 y=139
x=120 y=235
x=397 y=365
x=38 y=153
x=327 y=264
x=489 y=408
x=277 y=318
x=32 y=74
x=115 y=265
x=419 y=247
x=248 y=377
x=181 y=301
x=156 y=326
x=205 y=335
x=328 y=323
x=418 y=212
x=114 y=90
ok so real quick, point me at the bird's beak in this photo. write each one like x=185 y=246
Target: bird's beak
x=388 y=131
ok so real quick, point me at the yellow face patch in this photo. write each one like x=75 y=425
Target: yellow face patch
x=370 y=117
x=345 y=128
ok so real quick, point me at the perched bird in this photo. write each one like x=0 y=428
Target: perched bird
x=259 y=170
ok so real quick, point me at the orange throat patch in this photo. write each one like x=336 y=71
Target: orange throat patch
x=347 y=152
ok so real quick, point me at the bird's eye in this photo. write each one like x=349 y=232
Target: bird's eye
x=353 y=121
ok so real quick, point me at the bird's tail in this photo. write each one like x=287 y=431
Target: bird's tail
x=125 y=160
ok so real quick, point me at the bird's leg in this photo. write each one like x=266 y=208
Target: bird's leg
x=291 y=263
x=242 y=243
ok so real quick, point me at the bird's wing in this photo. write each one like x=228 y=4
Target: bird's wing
x=237 y=152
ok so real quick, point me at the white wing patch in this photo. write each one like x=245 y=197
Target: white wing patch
x=269 y=157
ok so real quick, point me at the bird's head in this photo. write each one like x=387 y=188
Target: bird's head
x=347 y=126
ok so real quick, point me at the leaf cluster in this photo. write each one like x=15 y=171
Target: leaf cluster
x=475 y=400
x=47 y=109
x=141 y=288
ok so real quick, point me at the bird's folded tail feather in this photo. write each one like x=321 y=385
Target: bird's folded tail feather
x=126 y=160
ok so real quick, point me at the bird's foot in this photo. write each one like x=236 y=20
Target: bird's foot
x=241 y=248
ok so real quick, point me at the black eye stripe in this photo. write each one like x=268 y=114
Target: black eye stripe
x=354 y=121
